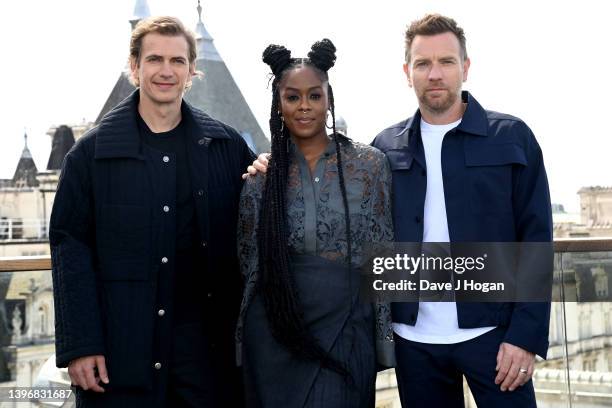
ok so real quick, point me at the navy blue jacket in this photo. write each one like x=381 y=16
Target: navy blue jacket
x=113 y=233
x=495 y=189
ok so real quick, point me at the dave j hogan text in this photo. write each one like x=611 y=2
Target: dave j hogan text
x=466 y=285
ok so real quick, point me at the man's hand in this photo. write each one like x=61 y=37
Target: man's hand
x=82 y=372
x=514 y=366
x=259 y=165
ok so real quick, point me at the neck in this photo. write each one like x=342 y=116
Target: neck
x=312 y=148
x=160 y=117
x=452 y=114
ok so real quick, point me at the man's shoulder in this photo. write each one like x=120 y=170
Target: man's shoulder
x=508 y=127
x=214 y=126
x=384 y=140
x=89 y=137
x=501 y=121
x=85 y=146
x=394 y=129
x=504 y=118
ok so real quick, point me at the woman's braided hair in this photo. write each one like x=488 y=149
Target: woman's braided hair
x=281 y=299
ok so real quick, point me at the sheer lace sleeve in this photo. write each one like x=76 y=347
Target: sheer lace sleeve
x=247 y=225
x=381 y=234
x=248 y=257
x=381 y=217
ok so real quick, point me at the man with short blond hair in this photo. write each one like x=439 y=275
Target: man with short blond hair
x=146 y=281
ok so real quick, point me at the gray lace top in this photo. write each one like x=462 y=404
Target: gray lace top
x=316 y=219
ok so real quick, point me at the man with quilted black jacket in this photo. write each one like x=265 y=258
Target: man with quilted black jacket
x=146 y=281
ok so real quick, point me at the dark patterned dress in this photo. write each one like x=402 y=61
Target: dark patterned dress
x=357 y=334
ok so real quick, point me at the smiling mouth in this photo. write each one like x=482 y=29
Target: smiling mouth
x=163 y=85
x=305 y=120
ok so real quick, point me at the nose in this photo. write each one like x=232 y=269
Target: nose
x=435 y=73
x=304 y=104
x=166 y=70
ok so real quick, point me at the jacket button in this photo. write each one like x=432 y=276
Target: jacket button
x=204 y=244
x=200 y=193
x=166 y=159
x=201 y=142
x=316 y=179
x=164 y=260
x=161 y=312
x=209 y=295
x=157 y=366
x=417 y=219
x=166 y=208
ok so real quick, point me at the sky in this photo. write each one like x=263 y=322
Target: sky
x=544 y=62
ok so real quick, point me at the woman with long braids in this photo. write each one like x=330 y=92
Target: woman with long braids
x=303 y=337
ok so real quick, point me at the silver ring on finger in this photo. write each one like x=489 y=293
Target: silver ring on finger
x=523 y=370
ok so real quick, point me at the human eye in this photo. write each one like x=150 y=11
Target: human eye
x=315 y=96
x=180 y=61
x=291 y=98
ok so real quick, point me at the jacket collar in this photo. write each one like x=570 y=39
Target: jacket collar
x=118 y=135
x=474 y=121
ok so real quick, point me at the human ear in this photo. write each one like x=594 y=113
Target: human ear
x=134 y=70
x=466 y=67
x=406 y=68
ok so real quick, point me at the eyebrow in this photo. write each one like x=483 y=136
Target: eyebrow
x=444 y=57
x=159 y=56
x=310 y=89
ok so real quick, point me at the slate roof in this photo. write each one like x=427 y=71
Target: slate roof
x=120 y=91
x=25 y=174
x=63 y=140
x=218 y=95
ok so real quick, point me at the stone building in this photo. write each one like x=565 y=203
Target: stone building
x=25 y=207
x=594 y=219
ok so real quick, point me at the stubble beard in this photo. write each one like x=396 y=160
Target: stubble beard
x=438 y=106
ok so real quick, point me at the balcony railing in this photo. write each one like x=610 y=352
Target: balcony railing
x=12 y=229
x=577 y=373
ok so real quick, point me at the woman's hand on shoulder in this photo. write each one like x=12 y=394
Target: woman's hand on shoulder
x=260 y=165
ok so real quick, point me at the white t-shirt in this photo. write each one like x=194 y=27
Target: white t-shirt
x=437 y=322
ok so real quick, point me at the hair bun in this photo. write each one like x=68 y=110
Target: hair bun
x=277 y=57
x=323 y=54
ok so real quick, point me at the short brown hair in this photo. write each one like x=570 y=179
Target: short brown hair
x=164 y=25
x=433 y=24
